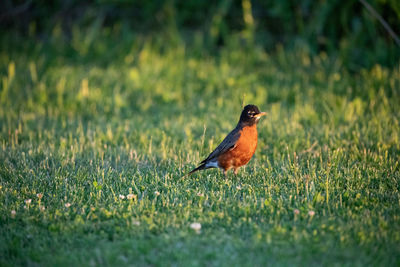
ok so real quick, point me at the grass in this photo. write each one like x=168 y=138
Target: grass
x=85 y=120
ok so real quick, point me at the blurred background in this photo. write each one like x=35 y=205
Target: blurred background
x=346 y=29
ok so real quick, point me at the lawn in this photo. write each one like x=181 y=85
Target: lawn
x=95 y=134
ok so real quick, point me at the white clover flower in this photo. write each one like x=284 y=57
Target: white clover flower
x=311 y=213
x=13 y=213
x=39 y=195
x=28 y=201
x=196 y=227
x=238 y=187
x=67 y=205
x=200 y=194
x=156 y=193
x=296 y=211
x=121 y=196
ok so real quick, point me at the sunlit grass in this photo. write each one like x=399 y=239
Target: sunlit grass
x=93 y=148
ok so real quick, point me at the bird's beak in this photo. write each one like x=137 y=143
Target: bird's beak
x=259 y=115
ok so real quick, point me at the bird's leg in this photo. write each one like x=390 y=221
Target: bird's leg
x=226 y=176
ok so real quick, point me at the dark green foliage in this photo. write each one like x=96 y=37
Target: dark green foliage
x=341 y=28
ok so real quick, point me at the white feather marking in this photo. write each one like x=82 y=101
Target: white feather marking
x=212 y=164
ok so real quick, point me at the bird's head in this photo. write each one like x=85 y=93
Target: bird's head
x=251 y=115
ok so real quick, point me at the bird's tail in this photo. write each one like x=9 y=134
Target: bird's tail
x=200 y=167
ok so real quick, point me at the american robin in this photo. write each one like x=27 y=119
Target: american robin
x=238 y=146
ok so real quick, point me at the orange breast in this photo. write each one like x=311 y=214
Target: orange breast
x=243 y=151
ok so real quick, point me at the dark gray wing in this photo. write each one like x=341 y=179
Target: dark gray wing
x=227 y=144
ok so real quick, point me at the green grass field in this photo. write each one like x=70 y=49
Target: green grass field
x=86 y=121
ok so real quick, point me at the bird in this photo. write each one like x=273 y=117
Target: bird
x=239 y=145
